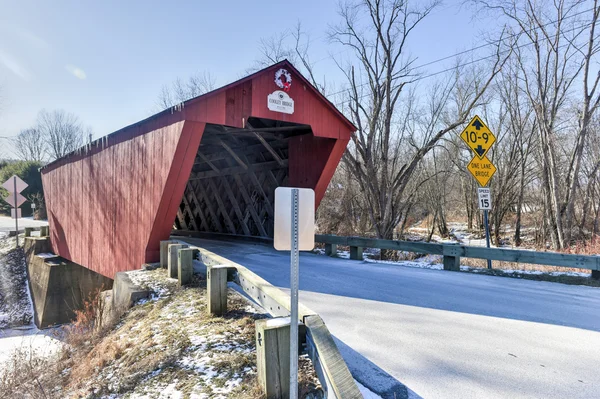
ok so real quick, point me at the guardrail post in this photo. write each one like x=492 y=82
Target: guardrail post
x=164 y=253
x=185 y=268
x=356 y=253
x=452 y=257
x=173 y=259
x=216 y=277
x=44 y=231
x=331 y=249
x=273 y=355
x=596 y=274
x=28 y=231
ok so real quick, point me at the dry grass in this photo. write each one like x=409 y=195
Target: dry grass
x=171 y=343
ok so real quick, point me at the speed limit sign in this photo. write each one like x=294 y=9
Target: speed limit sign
x=485 y=199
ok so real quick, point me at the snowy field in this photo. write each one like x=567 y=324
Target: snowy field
x=17 y=331
x=8 y=224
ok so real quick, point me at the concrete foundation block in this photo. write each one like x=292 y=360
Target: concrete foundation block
x=36 y=245
x=44 y=231
x=60 y=287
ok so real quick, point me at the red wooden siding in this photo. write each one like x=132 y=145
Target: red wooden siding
x=110 y=203
x=107 y=209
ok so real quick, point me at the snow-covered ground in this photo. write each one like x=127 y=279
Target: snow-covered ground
x=17 y=331
x=8 y=224
x=15 y=303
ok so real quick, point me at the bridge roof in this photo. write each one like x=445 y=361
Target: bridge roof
x=331 y=123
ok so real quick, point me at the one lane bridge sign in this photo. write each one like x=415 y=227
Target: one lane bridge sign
x=482 y=170
x=478 y=137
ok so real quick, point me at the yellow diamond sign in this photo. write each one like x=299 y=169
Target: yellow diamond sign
x=478 y=137
x=482 y=170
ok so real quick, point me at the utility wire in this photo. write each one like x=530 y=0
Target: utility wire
x=469 y=62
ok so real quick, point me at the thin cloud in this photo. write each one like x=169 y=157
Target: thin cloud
x=14 y=66
x=77 y=72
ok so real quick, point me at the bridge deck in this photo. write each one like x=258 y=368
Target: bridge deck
x=442 y=334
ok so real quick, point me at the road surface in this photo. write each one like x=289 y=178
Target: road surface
x=446 y=334
x=8 y=224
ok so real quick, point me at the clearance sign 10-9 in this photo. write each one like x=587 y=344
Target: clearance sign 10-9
x=480 y=139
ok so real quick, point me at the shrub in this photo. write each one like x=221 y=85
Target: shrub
x=30 y=172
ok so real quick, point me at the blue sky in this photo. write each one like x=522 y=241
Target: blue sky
x=106 y=61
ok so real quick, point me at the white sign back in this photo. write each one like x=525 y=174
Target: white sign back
x=17 y=213
x=283 y=219
x=10 y=184
x=485 y=198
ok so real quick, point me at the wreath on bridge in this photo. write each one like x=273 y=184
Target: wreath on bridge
x=283 y=79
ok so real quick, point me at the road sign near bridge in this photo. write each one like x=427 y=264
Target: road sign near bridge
x=478 y=137
x=482 y=170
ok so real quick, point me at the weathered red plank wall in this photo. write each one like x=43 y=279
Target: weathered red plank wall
x=107 y=206
x=110 y=205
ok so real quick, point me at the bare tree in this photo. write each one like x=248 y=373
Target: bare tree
x=292 y=45
x=183 y=90
x=31 y=145
x=560 y=50
x=62 y=131
x=385 y=154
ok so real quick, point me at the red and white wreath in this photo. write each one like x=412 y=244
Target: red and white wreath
x=283 y=79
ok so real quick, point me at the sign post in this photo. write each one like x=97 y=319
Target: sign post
x=480 y=139
x=485 y=204
x=294 y=232
x=14 y=186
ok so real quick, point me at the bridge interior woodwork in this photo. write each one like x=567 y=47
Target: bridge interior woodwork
x=232 y=185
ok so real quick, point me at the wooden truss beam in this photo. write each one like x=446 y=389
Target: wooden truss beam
x=258 y=167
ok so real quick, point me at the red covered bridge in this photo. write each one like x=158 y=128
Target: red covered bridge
x=210 y=164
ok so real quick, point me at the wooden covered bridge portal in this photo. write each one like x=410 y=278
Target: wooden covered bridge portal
x=210 y=164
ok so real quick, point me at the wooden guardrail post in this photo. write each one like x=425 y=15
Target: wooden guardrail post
x=164 y=252
x=28 y=231
x=452 y=257
x=185 y=266
x=173 y=259
x=44 y=231
x=273 y=355
x=216 y=277
x=356 y=253
x=331 y=249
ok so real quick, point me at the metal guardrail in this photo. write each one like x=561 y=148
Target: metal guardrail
x=453 y=252
x=333 y=373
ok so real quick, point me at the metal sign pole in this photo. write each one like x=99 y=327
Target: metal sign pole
x=16 y=209
x=487 y=235
x=294 y=263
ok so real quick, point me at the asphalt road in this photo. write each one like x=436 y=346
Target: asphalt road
x=446 y=334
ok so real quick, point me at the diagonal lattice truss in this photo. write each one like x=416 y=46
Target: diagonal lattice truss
x=232 y=185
